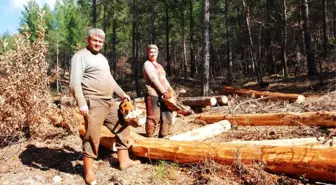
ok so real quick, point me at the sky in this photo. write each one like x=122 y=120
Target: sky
x=10 y=13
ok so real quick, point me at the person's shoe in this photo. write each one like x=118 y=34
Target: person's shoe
x=124 y=160
x=89 y=175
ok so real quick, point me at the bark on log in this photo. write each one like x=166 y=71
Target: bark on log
x=315 y=163
x=274 y=95
x=200 y=102
x=203 y=133
x=321 y=118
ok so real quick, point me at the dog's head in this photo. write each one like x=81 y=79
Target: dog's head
x=129 y=113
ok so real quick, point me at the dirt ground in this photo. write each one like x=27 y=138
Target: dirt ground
x=57 y=160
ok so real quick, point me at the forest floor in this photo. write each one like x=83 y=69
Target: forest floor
x=57 y=159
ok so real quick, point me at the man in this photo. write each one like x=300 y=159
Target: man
x=92 y=85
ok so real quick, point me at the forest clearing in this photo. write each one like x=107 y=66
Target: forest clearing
x=255 y=87
x=56 y=159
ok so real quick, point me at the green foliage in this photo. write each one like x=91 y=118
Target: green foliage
x=71 y=25
x=6 y=42
x=165 y=171
x=29 y=19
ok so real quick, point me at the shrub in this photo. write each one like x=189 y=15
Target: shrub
x=25 y=98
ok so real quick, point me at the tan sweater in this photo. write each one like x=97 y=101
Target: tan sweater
x=91 y=77
x=155 y=79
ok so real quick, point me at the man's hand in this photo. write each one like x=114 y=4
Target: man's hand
x=166 y=95
x=126 y=97
x=84 y=110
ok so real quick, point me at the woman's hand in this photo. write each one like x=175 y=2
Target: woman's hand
x=166 y=95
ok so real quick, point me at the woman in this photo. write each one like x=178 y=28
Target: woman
x=157 y=87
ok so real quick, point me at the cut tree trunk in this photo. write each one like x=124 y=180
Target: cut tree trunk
x=321 y=118
x=314 y=163
x=273 y=95
x=200 y=102
x=312 y=142
x=222 y=100
x=203 y=133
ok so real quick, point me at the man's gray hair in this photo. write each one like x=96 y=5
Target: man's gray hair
x=96 y=31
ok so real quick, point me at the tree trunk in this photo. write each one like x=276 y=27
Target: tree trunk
x=203 y=133
x=191 y=43
x=169 y=72
x=185 y=65
x=206 y=47
x=311 y=64
x=273 y=95
x=269 y=36
x=248 y=25
x=322 y=118
x=228 y=44
x=94 y=13
x=334 y=18
x=136 y=66
x=104 y=28
x=153 y=31
x=284 y=40
x=325 y=28
x=114 y=40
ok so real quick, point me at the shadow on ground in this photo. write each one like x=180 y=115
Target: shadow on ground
x=47 y=158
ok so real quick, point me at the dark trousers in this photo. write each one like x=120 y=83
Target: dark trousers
x=157 y=114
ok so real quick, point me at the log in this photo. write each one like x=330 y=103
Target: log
x=314 y=163
x=321 y=118
x=203 y=133
x=311 y=141
x=222 y=100
x=273 y=95
x=200 y=102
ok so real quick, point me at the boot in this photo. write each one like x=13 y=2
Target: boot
x=89 y=175
x=150 y=128
x=125 y=161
